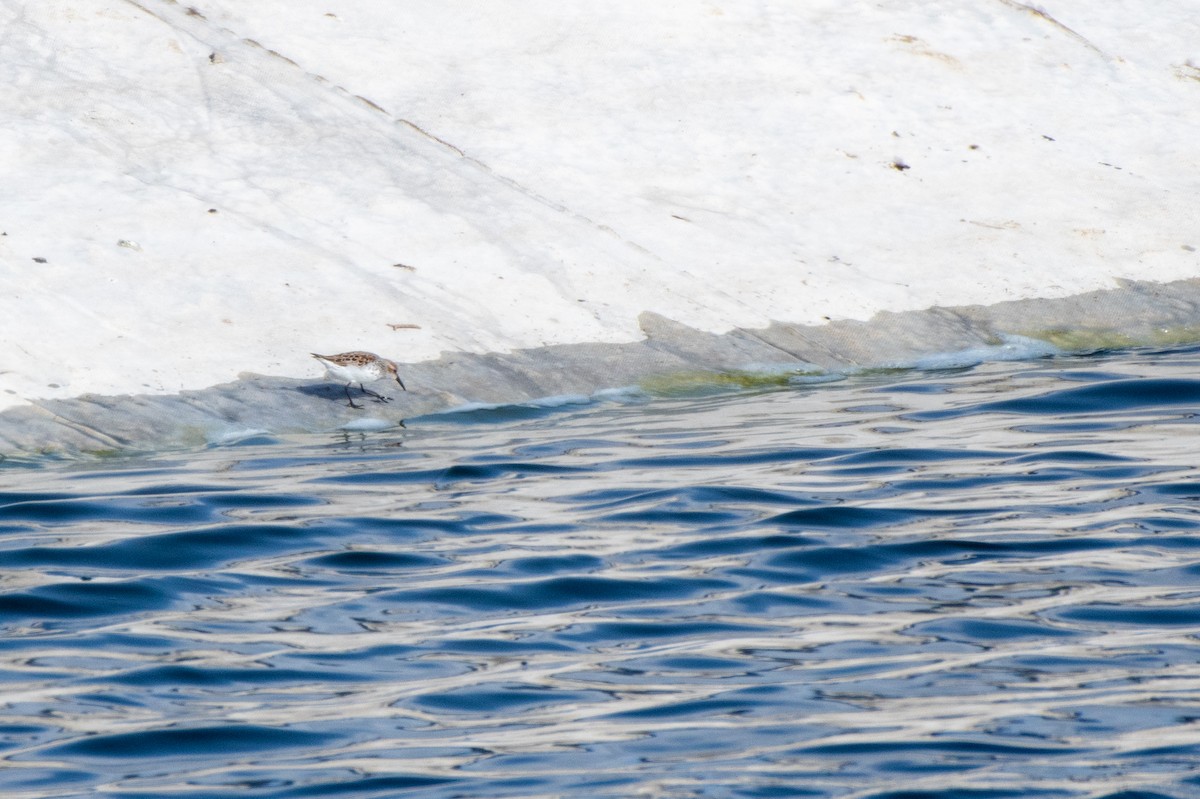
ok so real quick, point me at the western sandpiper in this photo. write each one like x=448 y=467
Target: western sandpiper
x=359 y=367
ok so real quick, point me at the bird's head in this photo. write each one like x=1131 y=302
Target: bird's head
x=394 y=372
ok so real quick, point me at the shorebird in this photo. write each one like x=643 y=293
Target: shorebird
x=359 y=367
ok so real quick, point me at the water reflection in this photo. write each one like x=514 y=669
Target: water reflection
x=911 y=585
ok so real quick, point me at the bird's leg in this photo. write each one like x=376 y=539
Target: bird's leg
x=350 y=399
x=369 y=392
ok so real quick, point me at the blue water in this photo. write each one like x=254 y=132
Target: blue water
x=972 y=583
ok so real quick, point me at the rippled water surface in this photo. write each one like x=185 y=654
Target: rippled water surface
x=979 y=583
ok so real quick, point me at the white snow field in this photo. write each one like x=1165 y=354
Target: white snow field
x=193 y=190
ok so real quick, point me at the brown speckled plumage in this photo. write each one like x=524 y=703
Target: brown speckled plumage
x=359 y=367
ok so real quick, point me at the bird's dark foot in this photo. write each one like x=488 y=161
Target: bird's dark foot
x=356 y=407
x=368 y=392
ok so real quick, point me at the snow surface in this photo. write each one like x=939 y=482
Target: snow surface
x=195 y=190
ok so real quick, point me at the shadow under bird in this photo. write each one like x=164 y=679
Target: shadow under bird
x=359 y=367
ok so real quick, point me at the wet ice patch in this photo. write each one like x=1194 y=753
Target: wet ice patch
x=229 y=438
x=368 y=425
x=1010 y=348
